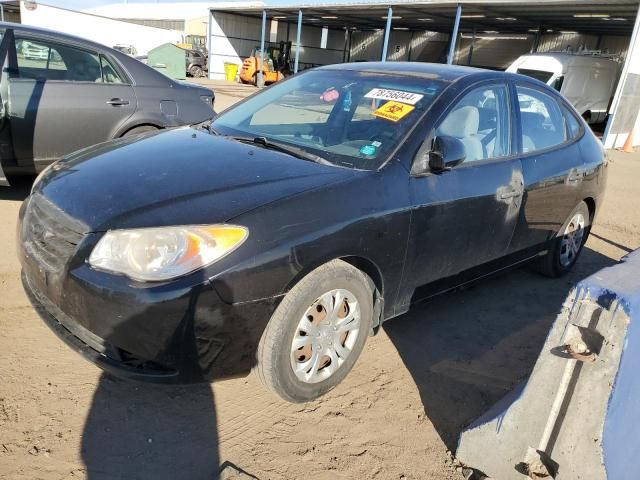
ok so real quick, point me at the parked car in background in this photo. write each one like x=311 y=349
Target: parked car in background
x=196 y=63
x=64 y=93
x=30 y=51
x=587 y=79
x=279 y=235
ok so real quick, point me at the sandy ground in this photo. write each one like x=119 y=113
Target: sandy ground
x=426 y=375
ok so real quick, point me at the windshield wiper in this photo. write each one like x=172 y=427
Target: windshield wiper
x=283 y=147
x=208 y=126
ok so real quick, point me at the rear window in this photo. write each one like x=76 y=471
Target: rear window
x=43 y=60
x=542 y=121
x=537 y=74
x=573 y=126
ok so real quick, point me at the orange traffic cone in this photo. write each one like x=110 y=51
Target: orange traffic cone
x=628 y=144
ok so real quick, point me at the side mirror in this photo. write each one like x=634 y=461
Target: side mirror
x=446 y=152
x=443 y=153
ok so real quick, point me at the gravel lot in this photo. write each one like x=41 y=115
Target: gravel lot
x=426 y=375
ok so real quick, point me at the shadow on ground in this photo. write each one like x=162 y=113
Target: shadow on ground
x=147 y=431
x=467 y=349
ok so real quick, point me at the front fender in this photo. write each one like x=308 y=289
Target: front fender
x=361 y=218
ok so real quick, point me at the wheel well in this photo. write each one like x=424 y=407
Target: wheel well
x=591 y=204
x=139 y=125
x=368 y=267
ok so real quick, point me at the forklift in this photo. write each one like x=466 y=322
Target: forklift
x=276 y=64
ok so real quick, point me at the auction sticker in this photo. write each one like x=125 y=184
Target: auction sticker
x=393 y=111
x=397 y=95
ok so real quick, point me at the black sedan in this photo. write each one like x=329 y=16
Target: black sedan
x=284 y=232
x=61 y=93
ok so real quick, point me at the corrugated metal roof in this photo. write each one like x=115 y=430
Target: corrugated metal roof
x=602 y=17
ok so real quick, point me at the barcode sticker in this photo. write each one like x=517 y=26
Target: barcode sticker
x=395 y=95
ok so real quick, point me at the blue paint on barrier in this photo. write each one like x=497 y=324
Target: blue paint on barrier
x=621 y=440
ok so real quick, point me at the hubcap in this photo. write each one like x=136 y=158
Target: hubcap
x=325 y=336
x=572 y=240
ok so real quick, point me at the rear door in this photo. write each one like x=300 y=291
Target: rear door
x=465 y=217
x=64 y=98
x=551 y=163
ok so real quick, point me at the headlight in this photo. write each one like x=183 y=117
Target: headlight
x=155 y=254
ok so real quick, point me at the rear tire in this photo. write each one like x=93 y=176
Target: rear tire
x=567 y=246
x=307 y=349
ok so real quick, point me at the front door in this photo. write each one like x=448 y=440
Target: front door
x=63 y=99
x=465 y=217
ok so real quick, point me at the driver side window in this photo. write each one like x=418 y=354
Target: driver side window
x=480 y=120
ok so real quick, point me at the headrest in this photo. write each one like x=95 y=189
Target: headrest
x=461 y=123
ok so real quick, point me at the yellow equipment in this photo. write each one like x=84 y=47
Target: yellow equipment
x=276 y=64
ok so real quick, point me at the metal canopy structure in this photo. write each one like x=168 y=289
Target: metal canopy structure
x=583 y=16
x=462 y=19
x=604 y=17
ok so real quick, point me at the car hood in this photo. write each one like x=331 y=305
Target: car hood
x=176 y=177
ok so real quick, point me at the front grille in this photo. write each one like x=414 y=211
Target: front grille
x=49 y=234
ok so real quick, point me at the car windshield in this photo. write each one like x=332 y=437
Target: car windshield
x=350 y=118
x=541 y=75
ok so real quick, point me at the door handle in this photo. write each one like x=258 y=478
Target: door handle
x=117 y=102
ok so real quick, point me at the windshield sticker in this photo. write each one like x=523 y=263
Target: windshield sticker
x=330 y=95
x=397 y=95
x=393 y=111
x=369 y=150
x=346 y=102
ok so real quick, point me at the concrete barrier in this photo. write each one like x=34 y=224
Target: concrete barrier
x=578 y=414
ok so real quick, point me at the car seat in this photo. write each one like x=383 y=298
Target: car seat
x=463 y=124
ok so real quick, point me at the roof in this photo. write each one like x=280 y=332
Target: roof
x=560 y=61
x=142 y=74
x=571 y=57
x=505 y=16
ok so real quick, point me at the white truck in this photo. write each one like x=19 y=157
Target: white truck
x=587 y=79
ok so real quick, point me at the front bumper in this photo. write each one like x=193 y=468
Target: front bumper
x=176 y=332
x=84 y=342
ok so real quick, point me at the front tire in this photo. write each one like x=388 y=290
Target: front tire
x=567 y=246
x=317 y=333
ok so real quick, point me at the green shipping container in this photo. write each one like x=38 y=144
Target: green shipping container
x=169 y=59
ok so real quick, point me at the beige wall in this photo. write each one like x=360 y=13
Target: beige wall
x=197 y=26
